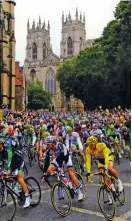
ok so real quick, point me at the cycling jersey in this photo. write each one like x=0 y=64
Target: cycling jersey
x=74 y=139
x=101 y=152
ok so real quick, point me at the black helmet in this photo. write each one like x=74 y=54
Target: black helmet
x=50 y=139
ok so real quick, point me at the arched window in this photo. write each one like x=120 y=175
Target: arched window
x=81 y=44
x=44 y=51
x=50 y=83
x=70 y=46
x=33 y=75
x=34 y=51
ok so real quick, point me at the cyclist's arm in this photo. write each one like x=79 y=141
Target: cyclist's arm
x=106 y=153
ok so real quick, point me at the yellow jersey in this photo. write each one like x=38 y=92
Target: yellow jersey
x=102 y=152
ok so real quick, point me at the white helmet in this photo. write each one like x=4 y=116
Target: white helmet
x=84 y=126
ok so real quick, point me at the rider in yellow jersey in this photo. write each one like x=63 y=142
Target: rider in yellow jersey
x=104 y=157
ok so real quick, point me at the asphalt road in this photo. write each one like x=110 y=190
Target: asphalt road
x=87 y=210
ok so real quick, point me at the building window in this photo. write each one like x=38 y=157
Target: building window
x=34 y=51
x=44 y=51
x=81 y=44
x=70 y=46
x=50 y=83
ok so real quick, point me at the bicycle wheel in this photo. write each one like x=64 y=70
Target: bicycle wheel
x=77 y=164
x=120 y=195
x=116 y=152
x=61 y=199
x=7 y=205
x=30 y=157
x=105 y=196
x=83 y=185
x=34 y=191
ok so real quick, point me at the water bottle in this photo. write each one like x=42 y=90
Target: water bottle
x=19 y=188
x=65 y=181
x=13 y=186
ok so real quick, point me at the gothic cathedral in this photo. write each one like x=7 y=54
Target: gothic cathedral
x=41 y=62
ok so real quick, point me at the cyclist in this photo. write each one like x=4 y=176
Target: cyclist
x=104 y=157
x=72 y=140
x=62 y=156
x=113 y=136
x=14 y=165
x=42 y=148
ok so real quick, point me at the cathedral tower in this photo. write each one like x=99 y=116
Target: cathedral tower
x=73 y=35
x=38 y=41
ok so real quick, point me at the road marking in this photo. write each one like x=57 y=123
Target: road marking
x=97 y=184
x=126 y=215
x=90 y=212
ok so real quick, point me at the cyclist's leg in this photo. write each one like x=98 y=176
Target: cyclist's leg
x=20 y=178
x=114 y=173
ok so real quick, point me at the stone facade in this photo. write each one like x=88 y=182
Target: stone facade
x=41 y=62
x=7 y=53
x=19 y=88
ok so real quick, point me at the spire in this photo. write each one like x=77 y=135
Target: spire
x=39 y=22
x=80 y=17
x=66 y=18
x=84 y=19
x=76 y=14
x=37 y=26
x=63 y=18
x=69 y=16
x=33 y=26
x=48 y=26
x=28 y=25
x=44 y=25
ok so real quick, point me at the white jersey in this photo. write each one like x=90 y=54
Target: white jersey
x=73 y=139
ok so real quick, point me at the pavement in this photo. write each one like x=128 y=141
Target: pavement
x=83 y=211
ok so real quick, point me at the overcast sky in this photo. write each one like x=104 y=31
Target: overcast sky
x=98 y=14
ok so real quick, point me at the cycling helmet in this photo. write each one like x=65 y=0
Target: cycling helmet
x=111 y=126
x=68 y=129
x=1 y=140
x=124 y=129
x=92 y=140
x=50 y=139
x=97 y=133
x=45 y=134
x=84 y=126
x=27 y=126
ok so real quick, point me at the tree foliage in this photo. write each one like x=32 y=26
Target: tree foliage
x=101 y=74
x=38 y=98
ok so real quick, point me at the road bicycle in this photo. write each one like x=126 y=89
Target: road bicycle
x=63 y=191
x=108 y=194
x=7 y=195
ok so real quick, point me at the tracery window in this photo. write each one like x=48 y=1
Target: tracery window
x=81 y=44
x=50 y=83
x=34 y=51
x=44 y=51
x=70 y=46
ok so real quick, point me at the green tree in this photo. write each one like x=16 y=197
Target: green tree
x=101 y=74
x=37 y=97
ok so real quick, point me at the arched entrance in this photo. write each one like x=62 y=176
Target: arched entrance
x=33 y=75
